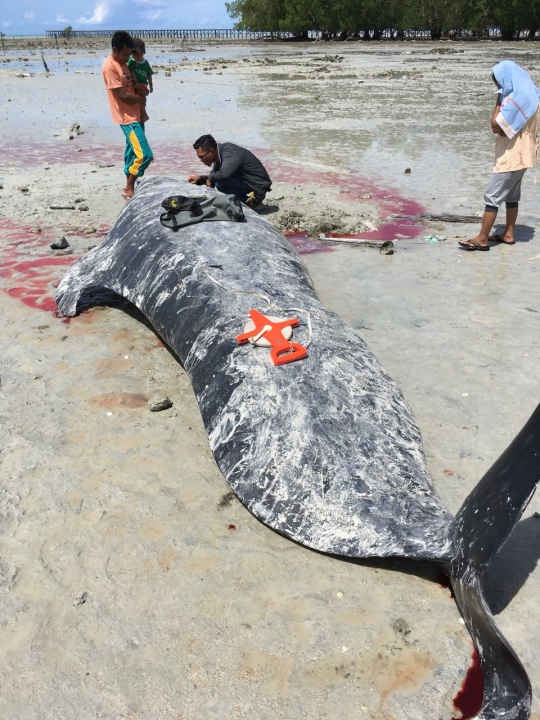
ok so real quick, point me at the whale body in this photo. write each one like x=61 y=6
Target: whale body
x=325 y=450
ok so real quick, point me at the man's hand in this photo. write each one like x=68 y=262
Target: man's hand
x=141 y=90
x=199 y=180
x=121 y=94
x=209 y=182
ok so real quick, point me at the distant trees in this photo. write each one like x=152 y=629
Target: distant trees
x=340 y=19
x=514 y=17
x=257 y=14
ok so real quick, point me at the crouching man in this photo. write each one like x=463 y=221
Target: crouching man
x=234 y=170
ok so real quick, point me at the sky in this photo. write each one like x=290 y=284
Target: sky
x=34 y=17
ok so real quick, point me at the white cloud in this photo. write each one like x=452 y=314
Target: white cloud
x=151 y=16
x=29 y=15
x=61 y=18
x=151 y=3
x=7 y=23
x=102 y=11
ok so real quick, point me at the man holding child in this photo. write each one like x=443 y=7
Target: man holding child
x=126 y=101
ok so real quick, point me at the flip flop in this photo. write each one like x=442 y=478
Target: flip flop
x=498 y=238
x=472 y=245
x=125 y=196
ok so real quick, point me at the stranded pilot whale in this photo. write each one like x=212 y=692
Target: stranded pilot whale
x=324 y=450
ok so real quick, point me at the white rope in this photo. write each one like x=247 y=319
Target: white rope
x=308 y=322
x=238 y=292
x=270 y=305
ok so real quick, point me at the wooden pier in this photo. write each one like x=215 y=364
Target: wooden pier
x=194 y=35
x=231 y=34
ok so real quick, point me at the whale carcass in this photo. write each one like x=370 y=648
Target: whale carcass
x=324 y=450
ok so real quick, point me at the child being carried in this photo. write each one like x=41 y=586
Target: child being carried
x=141 y=72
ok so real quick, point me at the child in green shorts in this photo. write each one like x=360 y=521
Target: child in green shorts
x=141 y=72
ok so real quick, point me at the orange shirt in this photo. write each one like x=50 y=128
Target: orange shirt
x=116 y=75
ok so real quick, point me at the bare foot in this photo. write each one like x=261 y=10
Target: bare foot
x=128 y=193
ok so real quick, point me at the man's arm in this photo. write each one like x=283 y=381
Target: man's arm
x=121 y=94
x=230 y=163
x=139 y=89
x=199 y=180
x=495 y=127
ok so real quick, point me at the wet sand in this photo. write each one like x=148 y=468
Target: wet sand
x=133 y=585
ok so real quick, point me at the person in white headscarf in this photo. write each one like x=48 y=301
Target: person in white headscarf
x=515 y=122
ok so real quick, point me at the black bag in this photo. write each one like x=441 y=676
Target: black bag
x=176 y=203
x=183 y=211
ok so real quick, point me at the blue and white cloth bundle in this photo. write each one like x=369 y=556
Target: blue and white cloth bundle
x=519 y=96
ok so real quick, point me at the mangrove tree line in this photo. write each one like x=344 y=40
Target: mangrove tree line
x=342 y=19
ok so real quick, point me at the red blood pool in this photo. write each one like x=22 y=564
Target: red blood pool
x=468 y=700
x=31 y=278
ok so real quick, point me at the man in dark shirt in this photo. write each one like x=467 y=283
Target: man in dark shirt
x=235 y=170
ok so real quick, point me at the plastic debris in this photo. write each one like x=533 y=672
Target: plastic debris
x=433 y=238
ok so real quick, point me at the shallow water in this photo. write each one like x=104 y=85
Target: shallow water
x=91 y=60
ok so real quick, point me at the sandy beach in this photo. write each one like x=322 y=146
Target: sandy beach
x=133 y=584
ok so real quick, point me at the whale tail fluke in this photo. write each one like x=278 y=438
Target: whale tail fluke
x=481 y=527
x=507 y=688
